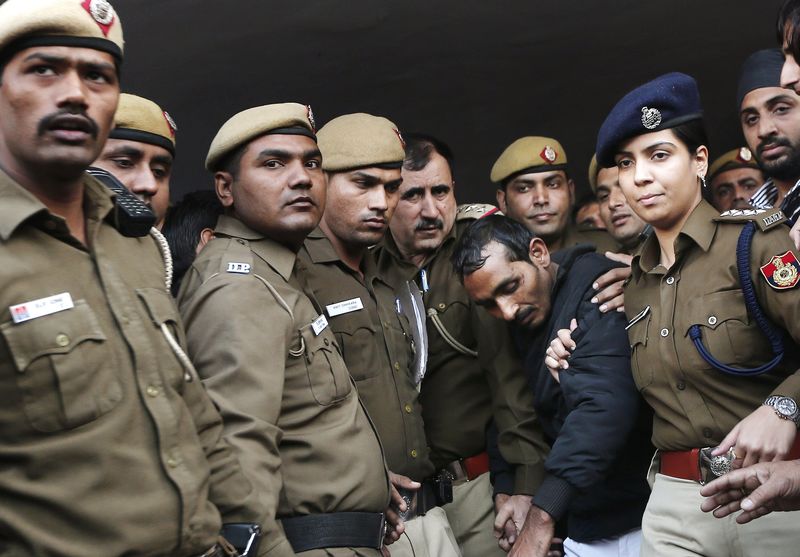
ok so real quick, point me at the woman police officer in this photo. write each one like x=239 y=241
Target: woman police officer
x=713 y=303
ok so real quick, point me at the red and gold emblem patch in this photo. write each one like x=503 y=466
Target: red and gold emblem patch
x=782 y=272
x=102 y=13
x=549 y=154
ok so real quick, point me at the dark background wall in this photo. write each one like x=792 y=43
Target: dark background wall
x=478 y=73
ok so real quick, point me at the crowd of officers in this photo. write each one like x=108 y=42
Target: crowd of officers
x=336 y=359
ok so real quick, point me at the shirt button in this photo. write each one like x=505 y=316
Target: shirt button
x=413 y=453
x=665 y=332
x=152 y=390
x=707 y=433
x=670 y=280
x=326 y=341
x=681 y=385
x=397 y=366
x=712 y=320
x=50 y=225
x=442 y=306
x=172 y=462
x=408 y=408
x=62 y=340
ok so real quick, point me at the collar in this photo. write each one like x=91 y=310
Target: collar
x=276 y=255
x=391 y=246
x=319 y=247
x=699 y=229
x=18 y=205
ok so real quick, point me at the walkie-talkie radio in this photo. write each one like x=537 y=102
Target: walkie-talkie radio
x=132 y=217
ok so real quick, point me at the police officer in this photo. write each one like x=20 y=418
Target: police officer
x=733 y=179
x=472 y=372
x=266 y=351
x=533 y=188
x=140 y=151
x=705 y=354
x=108 y=443
x=625 y=226
x=362 y=155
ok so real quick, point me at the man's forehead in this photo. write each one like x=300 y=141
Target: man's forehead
x=538 y=177
x=294 y=144
x=757 y=98
x=68 y=53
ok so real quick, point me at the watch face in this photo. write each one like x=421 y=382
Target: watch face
x=786 y=406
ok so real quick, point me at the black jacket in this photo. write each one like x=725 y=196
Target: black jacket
x=595 y=419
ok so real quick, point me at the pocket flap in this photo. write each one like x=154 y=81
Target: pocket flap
x=712 y=310
x=160 y=305
x=57 y=333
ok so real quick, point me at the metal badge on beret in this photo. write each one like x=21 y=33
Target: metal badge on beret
x=102 y=12
x=400 y=137
x=651 y=117
x=548 y=154
x=311 y=118
x=173 y=127
x=745 y=155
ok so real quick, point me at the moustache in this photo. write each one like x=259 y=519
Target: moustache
x=428 y=224
x=773 y=142
x=522 y=315
x=77 y=121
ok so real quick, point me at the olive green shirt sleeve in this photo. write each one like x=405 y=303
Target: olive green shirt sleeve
x=520 y=439
x=781 y=306
x=242 y=364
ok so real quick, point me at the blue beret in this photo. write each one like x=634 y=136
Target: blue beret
x=665 y=102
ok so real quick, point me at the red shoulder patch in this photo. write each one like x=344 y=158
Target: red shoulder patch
x=782 y=271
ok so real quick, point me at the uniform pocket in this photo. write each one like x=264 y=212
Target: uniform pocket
x=161 y=309
x=328 y=377
x=66 y=373
x=355 y=338
x=638 y=332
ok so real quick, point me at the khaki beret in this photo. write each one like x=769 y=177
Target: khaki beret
x=737 y=158
x=140 y=119
x=594 y=170
x=79 y=23
x=527 y=155
x=283 y=118
x=360 y=140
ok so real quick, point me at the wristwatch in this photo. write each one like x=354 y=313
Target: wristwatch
x=785 y=407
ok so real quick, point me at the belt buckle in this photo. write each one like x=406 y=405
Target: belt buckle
x=713 y=467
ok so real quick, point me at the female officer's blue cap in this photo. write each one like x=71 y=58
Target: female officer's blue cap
x=665 y=102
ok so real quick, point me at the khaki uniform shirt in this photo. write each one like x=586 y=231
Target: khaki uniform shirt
x=288 y=402
x=105 y=448
x=461 y=393
x=696 y=405
x=377 y=348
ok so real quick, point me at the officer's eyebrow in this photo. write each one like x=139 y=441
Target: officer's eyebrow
x=284 y=154
x=95 y=65
x=394 y=183
x=125 y=151
x=412 y=192
x=166 y=160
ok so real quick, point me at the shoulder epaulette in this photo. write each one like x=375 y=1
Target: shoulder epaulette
x=475 y=211
x=764 y=218
x=237 y=258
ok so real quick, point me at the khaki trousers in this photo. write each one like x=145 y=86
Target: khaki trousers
x=471 y=515
x=673 y=525
x=427 y=536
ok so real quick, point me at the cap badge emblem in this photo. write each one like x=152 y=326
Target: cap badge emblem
x=549 y=154
x=400 y=137
x=782 y=271
x=173 y=127
x=311 y=117
x=102 y=12
x=651 y=117
x=745 y=155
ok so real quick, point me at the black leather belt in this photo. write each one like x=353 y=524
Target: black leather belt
x=418 y=501
x=345 y=529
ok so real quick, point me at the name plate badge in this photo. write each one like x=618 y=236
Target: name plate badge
x=41 y=307
x=345 y=306
x=319 y=324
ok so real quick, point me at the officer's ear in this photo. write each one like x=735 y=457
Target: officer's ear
x=223 y=185
x=571 y=186
x=701 y=158
x=538 y=252
x=206 y=235
x=501 y=199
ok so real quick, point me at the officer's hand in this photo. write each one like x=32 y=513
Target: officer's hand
x=757 y=490
x=395 y=526
x=536 y=535
x=385 y=552
x=609 y=284
x=760 y=437
x=559 y=351
x=511 y=512
x=794 y=234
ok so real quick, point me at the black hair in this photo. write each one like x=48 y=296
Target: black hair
x=420 y=147
x=788 y=27
x=182 y=226
x=232 y=162
x=514 y=237
x=692 y=134
x=585 y=199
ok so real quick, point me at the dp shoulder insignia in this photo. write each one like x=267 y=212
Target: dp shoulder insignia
x=475 y=211
x=782 y=271
x=765 y=219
